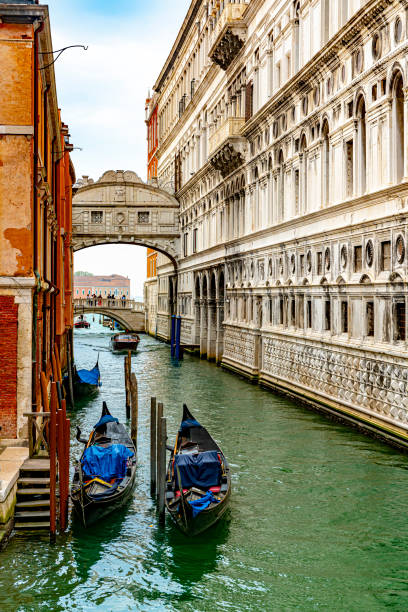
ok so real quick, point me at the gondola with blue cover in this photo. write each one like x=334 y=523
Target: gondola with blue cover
x=87 y=382
x=198 y=482
x=104 y=477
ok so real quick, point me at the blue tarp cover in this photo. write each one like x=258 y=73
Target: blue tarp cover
x=108 y=418
x=188 y=423
x=198 y=505
x=201 y=470
x=91 y=377
x=106 y=463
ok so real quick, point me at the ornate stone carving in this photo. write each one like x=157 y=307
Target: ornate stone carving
x=227 y=47
x=227 y=159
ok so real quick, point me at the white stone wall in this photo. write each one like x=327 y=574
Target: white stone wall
x=293 y=207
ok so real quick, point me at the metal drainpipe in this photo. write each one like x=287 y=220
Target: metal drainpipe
x=38 y=27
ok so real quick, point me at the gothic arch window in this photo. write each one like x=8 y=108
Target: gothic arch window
x=281 y=185
x=297 y=36
x=397 y=93
x=303 y=174
x=361 y=144
x=326 y=163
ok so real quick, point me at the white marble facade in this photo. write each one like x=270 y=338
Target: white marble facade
x=283 y=129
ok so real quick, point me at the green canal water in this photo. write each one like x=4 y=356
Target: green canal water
x=318 y=518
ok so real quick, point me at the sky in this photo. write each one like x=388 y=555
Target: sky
x=102 y=93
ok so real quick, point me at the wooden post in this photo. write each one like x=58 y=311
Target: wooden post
x=162 y=469
x=60 y=456
x=127 y=388
x=54 y=367
x=44 y=392
x=135 y=408
x=53 y=462
x=63 y=465
x=153 y=439
x=58 y=361
x=67 y=440
x=159 y=424
x=70 y=379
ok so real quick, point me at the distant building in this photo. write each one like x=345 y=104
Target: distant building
x=101 y=285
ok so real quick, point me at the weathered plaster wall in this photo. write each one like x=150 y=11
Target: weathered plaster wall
x=16 y=245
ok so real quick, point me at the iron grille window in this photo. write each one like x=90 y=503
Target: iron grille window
x=344 y=318
x=386 y=255
x=96 y=216
x=358 y=258
x=281 y=311
x=327 y=315
x=400 y=322
x=309 y=314
x=370 y=318
x=185 y=244
x=319 y=263
x=143 y=217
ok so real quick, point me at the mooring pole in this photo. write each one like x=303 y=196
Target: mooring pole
x=53 y=458
x=178 y=335
x=159 y=424
x=173 y=334
x=153 y=439
x=162 y=469
x=127 y=387
x=70 y=379
x=135 y=408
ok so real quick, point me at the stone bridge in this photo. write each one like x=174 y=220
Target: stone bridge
x=129 y=314
x=120 y=208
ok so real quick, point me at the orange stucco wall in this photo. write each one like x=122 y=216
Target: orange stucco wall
x=16 y=87
x=16 y=182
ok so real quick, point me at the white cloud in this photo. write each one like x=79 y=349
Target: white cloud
x=102 y=93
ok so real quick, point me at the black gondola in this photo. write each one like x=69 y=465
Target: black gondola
x=198 y=482
x=111 y=452
x=86 y=382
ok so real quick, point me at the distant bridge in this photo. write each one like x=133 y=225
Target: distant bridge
x=128 y=313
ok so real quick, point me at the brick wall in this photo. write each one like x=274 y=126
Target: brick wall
x=8 y=366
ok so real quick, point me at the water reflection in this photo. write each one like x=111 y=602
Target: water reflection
x=317 y=516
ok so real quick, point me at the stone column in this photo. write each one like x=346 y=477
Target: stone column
x=196 y=332
x=212 y=331
x=220 y=331
x=203 y=329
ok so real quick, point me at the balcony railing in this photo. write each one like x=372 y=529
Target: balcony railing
x=229 y=34
x=111 y=304
x=231 y=128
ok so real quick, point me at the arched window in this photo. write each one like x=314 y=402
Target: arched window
x=398 y=127
x=281 y=187
x=297 y=37
x=326 y=164
x=361 y=145
x=303 y=175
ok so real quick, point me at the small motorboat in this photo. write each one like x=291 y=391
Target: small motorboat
x=87 y=382
x=82 y=324
x=104 y=477
x=198 y=482
x=124 y=342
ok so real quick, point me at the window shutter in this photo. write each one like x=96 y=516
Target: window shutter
x=249 y=95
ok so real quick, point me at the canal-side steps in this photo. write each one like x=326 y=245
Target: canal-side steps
x=33 y=495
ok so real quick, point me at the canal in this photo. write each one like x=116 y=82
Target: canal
x=318 y=518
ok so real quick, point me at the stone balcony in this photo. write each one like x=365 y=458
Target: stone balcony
x=229 y=35
x=227 y=146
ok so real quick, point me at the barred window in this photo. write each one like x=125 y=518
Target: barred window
x=96 y=216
